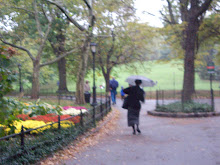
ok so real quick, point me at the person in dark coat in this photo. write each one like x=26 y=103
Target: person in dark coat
x=113 y=89
x=135 y=95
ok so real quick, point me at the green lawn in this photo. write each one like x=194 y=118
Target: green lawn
x=168 y=75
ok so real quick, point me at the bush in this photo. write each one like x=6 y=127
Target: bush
x=11 y=108
x=191 y=107
x=7 y=76
x=37 y=147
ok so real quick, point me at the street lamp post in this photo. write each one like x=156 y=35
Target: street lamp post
x=93 y=50
x=211 y=70
x=20 y=84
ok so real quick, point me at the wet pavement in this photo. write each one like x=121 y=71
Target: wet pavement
x=163 y=141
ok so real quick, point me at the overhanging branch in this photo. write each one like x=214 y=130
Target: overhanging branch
x=58 y=58
x=67 y=15
x=204 y=7
x=18 y=47
x=87 y=4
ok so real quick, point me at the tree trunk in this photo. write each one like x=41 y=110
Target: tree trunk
x=189 y=72
x=62 y=62
x=81 y=74
x=59 y=49
x=80 y=86
x=192 y=13
x=107 y=79
x=62 y=75
x=35 y=80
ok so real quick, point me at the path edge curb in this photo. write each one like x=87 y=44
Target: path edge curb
x=183 y=115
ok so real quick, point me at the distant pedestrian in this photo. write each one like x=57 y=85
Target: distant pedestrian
x=87 y=91
x=122 y=93
x=113 y=84
x=87 y=87
x=135 y=95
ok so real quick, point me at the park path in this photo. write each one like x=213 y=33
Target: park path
x=164 y=141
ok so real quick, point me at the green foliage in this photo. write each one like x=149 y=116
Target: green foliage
x=209 y=29
x=28 y=30
x=54 y=102
x=6 y=75
x=45 y=144
x=206 y=76
x=209 y=44
x=41 y=109
x=191 y=107
x=41 y=145
x=173 y=32
x=7 y=114
x=169 y=76
x=171 y=38
x=9 y=109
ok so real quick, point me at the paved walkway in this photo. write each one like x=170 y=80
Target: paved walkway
x=164 y=141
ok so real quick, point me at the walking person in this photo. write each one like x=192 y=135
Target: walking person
x=113 y=84
x=135 y=95
x=122 y=93
x=87 y=91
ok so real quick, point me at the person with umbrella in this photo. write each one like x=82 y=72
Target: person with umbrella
x=135 y=95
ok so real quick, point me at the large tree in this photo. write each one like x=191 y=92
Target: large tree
x=28 y=27
x=87 y=33
x=125 y=46
x=120 y=38
x=57 y=39
x=190 y=14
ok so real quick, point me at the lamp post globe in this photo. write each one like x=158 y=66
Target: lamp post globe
x=93 y=47
x=93 y=50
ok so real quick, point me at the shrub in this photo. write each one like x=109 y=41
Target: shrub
x=191 y=107
x=7 y=76
x=11 y=109
x=40 y=109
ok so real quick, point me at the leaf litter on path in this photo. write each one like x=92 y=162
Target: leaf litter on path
x=91 y=138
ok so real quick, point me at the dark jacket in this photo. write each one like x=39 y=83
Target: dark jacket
x=135 y=95
x=113 y=84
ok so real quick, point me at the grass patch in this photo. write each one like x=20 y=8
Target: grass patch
x=169 y=76
x=191 y=107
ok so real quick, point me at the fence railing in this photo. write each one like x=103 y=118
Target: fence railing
x=200 y=96
x=176 y=94
x=24 y=142
x=53 y=94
